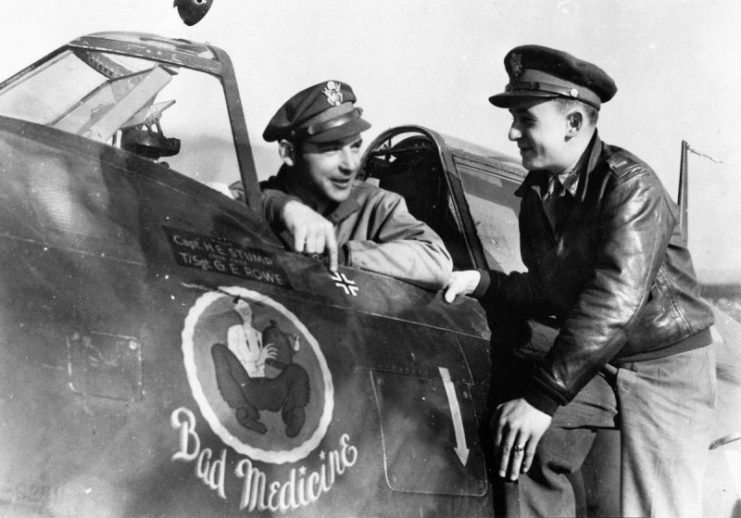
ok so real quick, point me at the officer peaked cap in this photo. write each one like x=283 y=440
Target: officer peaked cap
x=322 y=113
x=541 y=72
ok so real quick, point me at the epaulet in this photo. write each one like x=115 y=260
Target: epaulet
x=622 y=164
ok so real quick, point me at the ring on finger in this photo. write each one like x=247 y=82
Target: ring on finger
x=519 y=448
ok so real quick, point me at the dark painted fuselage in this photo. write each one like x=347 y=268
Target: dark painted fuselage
x=119 y=275
x=161 y=353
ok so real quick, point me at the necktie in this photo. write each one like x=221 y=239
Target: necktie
x=554 y=203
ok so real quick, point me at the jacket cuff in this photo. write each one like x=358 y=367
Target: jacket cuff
x=540 y=399
x=483 y=285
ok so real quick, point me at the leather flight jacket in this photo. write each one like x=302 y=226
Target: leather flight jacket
x=613 y=272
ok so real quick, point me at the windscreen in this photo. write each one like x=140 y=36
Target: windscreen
x=172 y=115
x=490 y=195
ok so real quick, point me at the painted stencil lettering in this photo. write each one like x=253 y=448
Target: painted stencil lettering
x=302 y=486
x=220 y=255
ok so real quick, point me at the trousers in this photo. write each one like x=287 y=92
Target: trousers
x=667 y=412
x=664 y=411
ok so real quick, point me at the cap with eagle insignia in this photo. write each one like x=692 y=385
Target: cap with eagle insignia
x=536 y=71
x=324 y=112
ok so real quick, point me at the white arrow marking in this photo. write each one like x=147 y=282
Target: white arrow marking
x=461 y=448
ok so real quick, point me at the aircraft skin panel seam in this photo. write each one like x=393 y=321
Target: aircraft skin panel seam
x=85 y=253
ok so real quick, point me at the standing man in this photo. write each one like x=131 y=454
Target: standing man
x=317 y=200
x=602 y=244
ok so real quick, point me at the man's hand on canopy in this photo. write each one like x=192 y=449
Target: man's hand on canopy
x=461 y=283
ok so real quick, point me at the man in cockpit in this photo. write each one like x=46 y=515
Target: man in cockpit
x=317 y=204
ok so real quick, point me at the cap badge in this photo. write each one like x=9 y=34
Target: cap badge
x=515 y=63
x=332 y=93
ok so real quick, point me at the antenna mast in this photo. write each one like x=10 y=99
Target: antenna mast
x=682 y=194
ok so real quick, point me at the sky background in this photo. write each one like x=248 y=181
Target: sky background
x=435 y=62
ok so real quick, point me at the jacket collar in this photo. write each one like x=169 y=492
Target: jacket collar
x=594 y=151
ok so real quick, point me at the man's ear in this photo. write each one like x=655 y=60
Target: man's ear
x=574 y=123
x=287 y=152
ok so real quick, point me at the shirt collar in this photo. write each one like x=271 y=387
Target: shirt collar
x=569 y=179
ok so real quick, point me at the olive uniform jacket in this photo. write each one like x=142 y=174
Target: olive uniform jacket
x=374 y=231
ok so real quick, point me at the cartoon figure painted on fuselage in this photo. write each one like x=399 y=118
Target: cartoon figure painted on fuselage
x=240 y=374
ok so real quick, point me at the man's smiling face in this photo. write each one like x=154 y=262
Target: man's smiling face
x=330 y=169
x=539 y=127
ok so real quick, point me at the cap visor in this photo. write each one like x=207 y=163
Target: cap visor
x=507 y=99
x=340 y=133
